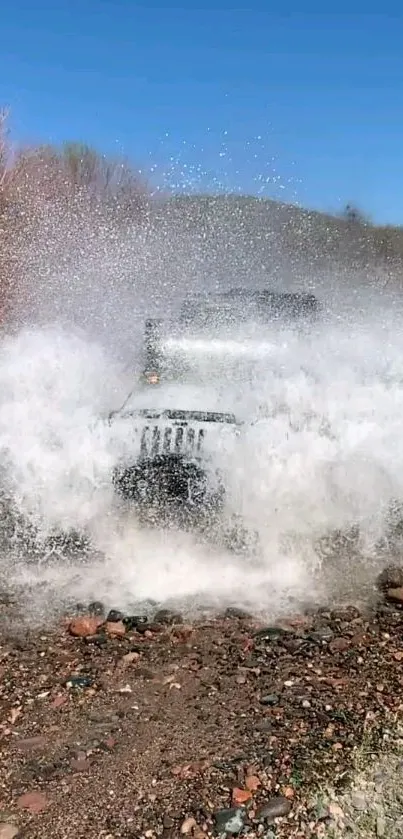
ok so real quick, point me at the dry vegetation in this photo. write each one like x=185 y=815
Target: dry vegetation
x=44 y=188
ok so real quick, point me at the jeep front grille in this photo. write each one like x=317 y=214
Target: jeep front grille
x=180 y=440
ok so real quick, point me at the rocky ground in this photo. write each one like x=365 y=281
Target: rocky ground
x=116 y=727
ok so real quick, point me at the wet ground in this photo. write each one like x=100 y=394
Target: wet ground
x=120 y=727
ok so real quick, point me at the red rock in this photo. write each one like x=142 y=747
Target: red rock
x=34 y=802
x=241 y=796
x=85 y=627
x=252 y=783
x=59 y=701
x=116 y=628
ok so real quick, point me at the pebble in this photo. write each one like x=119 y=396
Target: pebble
x=269 y=699
x=9 y=831
x=138 y=622
x=271 y=633
x=168 y=822
x=114 y=616
x=358 y=801
x=79 y=682
x=321 y=635
x=80 y=764
x=234 y=612
x=83 y=627
x=265 y=725
x=390 y=578
x=188 y=825
x=96 y=640
x=96 y=609
x=168 y=617
x=380 y=826
x=115 y=628
x=339 y=645
x=230 y=821
x=274 y=808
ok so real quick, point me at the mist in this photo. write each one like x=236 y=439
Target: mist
x=318 y=465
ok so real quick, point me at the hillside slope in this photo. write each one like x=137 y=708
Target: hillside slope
x=282 y=240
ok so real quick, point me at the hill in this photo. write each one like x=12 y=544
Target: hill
x=283 y=239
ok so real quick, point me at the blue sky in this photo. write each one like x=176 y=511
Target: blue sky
x=272 y=99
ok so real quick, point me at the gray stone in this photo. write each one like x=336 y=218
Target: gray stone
x=230 y=821
x=358 y=801
x=269 y=699
x=274 y=808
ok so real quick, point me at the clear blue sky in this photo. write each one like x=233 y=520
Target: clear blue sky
x=282 y=99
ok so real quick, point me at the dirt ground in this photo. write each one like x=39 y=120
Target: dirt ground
x=133 y=729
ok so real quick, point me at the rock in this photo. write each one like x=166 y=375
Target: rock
x=130 y=658
x=380 y=827
x=339 y=645
x=34 y=802
x=9 y=831
x=358 y=801
x=83 y=627
x=345 y=613
x=138 y=622
x=391 y=577
x=59 y=701
x=79 y=682
x=96 y=640
x=96 y=609
x=233 y=612
x=335 y=812
x=274 y=808
x=252 y=783
x=394 y=595
x=265 y=725
x=321 y=635
x=168 y=822
x=115 y=628
x=167 y=617
x=271 y=633
x=188 y=826
x=241 y=796
x=269 y=699
x=80 y=764
x=114 y=616
x=230 y=821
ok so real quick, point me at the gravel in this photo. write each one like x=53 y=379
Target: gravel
x=210 y=729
